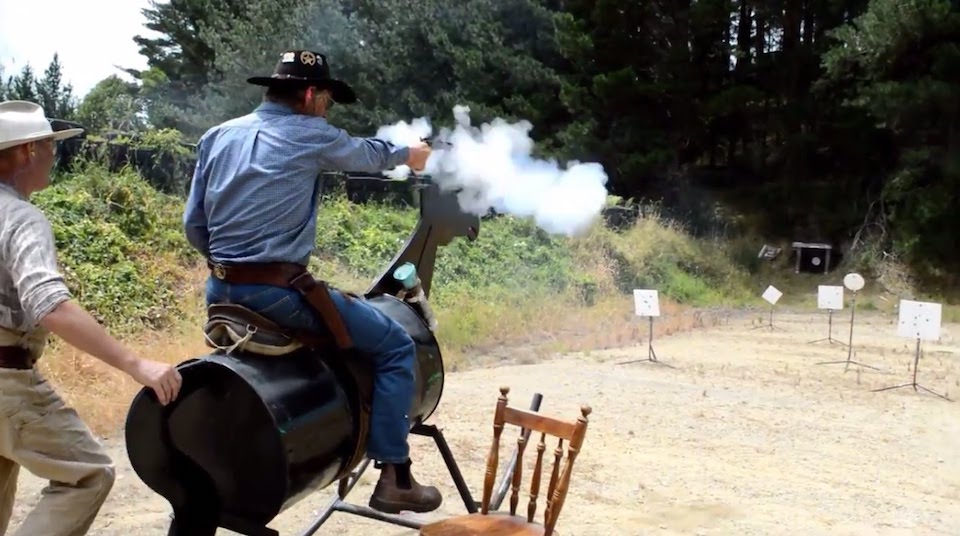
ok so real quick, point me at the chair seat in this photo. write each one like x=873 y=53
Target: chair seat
x=492 y=524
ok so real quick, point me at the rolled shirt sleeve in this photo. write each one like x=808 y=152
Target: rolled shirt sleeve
x=29 y=254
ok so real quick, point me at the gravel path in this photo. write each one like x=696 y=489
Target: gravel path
x=746 y=436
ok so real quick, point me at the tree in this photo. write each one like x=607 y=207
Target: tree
x=50 y=92
x=498 y=58
x=23 y=86
x=491 y=56
x=248 y=42
x=56 y=97
x=180 y=63
x=112 y=104
x=900 y=63
x=630 y=85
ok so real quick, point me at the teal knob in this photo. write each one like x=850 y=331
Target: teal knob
x=406 y=274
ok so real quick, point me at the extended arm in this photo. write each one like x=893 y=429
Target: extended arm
x=348 y=153
x=75 y=326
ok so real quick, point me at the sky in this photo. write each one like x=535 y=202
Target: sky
x=90 y=46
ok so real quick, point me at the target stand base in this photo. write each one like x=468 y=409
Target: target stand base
x=848 y=363
x=416 y=521
x=651 y=358
x=916 y=386
x=829 y=338
x=651 y=354
x=769 y=325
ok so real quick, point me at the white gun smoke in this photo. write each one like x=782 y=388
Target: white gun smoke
x=495 y=170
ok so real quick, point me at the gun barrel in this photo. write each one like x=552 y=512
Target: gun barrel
x=434 y=141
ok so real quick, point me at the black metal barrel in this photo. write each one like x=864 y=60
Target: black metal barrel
x=249 y=435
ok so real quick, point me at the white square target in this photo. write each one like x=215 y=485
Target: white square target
x=772 y=295
x=830 y=297
x=919 y=320
x=646 y=302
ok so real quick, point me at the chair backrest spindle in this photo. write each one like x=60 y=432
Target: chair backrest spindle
x=535 y=481
x=494 y=456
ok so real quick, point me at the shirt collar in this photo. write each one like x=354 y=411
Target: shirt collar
x=280 y=109
x=275 y=107
x=11 y=189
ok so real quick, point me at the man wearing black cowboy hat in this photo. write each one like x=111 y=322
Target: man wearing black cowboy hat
x=252 y=212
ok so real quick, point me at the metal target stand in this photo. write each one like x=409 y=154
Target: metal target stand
x=916 y=387
x=769 y=325
x=829 y=338
x=651 y=354
x=345 y=485
x=849 y=361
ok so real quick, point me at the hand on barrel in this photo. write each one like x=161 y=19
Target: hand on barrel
x=164 y=379
x=419 y=153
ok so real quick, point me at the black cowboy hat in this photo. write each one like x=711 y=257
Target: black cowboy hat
x=302 y=68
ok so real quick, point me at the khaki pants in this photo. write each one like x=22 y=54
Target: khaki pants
x=41 y=434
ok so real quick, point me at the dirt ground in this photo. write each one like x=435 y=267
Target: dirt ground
x=747 y=435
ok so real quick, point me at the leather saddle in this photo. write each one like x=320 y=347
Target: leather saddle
x=231 y=327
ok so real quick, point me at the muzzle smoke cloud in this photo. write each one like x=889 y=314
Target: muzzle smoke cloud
x=494 y=168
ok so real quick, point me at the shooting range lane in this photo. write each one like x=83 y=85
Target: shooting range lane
x=746 y=436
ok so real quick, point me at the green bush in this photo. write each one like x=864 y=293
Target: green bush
x=510 y=253
x=120 y=243
x=516 y=258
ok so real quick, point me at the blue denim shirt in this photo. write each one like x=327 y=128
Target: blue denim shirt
x=255 y=187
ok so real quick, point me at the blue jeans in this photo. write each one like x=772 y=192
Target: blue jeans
x=373 y=333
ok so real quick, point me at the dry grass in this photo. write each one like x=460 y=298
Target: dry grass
x=608 y=324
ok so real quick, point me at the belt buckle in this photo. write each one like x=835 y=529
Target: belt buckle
x=219 y=271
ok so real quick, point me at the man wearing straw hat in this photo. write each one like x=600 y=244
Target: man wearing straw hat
x=38 y=431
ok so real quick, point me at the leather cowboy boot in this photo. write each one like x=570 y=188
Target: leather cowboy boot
x=397 y=491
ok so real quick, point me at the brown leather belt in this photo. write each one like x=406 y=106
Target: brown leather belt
x=289 y=275
x=269 y=273
x=15 y=357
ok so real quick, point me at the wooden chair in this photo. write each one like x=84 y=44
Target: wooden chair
x=499 y=523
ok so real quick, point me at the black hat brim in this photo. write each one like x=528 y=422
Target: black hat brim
x=341 y=91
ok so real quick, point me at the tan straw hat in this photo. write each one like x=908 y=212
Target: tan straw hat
x=23 y=121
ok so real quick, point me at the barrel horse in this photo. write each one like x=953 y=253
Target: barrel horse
x=260 y=425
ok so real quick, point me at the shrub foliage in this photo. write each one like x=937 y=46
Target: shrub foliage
x=122 y=249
